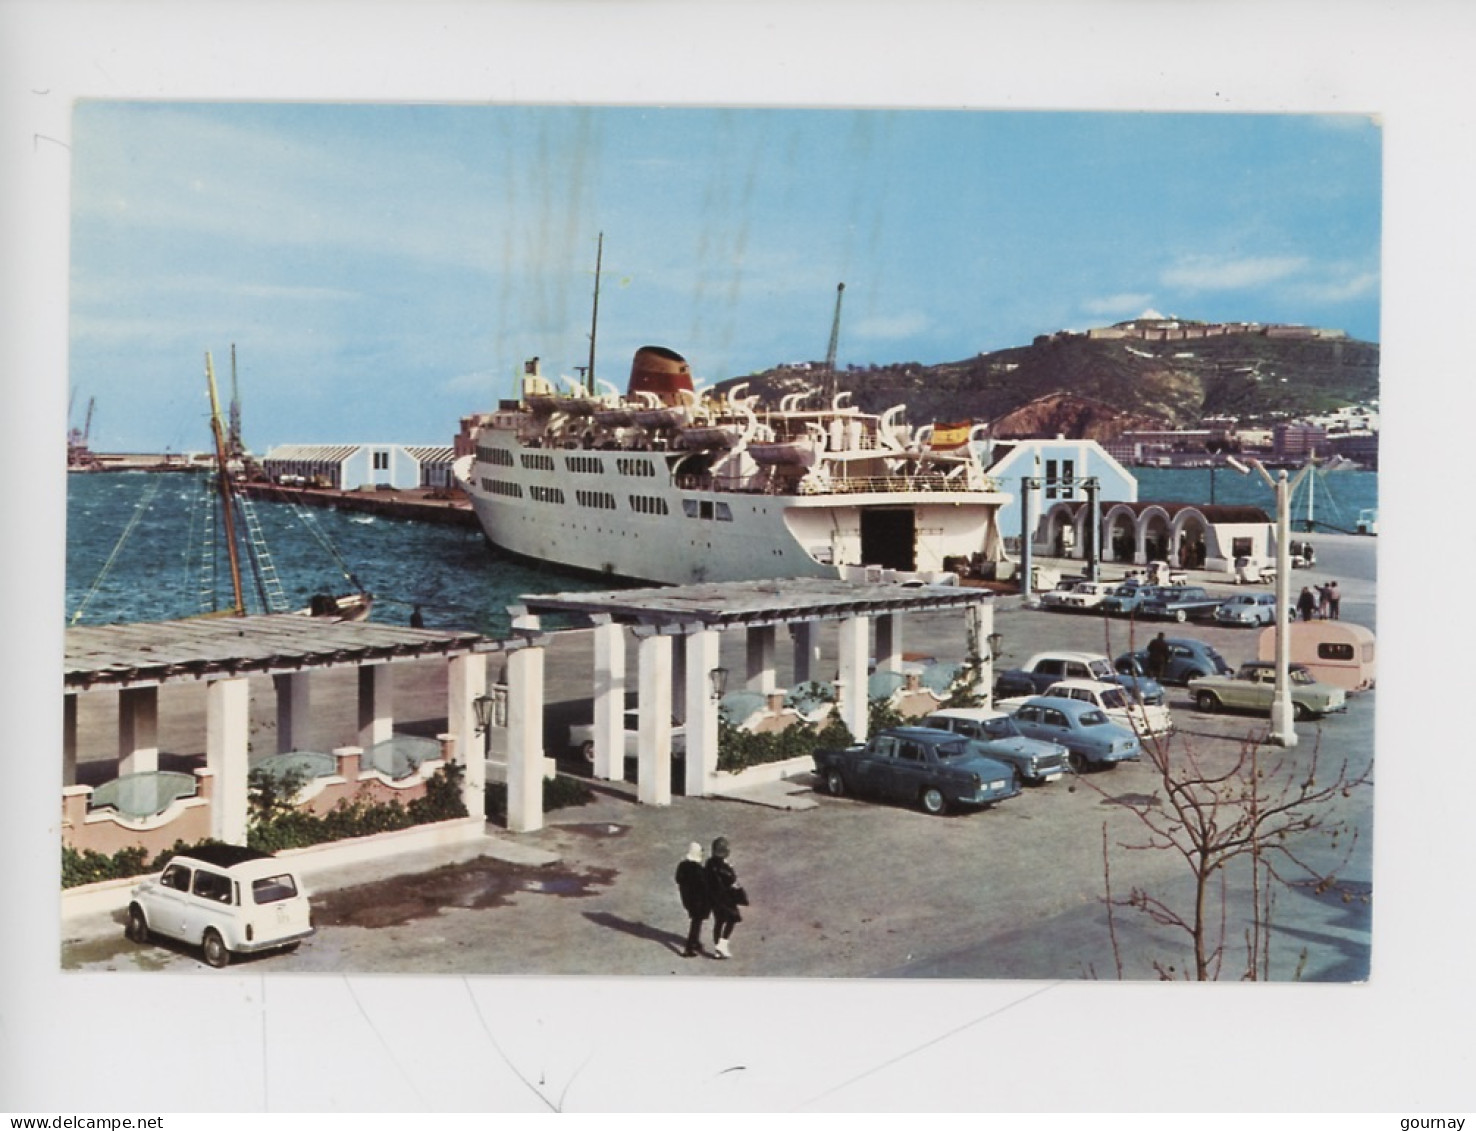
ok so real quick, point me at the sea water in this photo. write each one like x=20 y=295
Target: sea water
x=137 y=549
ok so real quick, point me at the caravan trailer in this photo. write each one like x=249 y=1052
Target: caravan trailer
x=1337 y=652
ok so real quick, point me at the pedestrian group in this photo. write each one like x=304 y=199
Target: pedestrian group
x=710 y=888
x=1324 y=604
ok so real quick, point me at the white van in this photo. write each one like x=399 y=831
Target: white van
x=1337 y=652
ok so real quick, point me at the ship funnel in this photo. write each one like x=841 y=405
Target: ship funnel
x=658 y=370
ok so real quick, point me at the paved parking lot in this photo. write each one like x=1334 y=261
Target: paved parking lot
x=852 y=888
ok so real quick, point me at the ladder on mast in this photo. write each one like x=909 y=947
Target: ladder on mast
x=263 y=569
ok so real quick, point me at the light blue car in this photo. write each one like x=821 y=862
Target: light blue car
x=1093 y=740
x=1248 y=609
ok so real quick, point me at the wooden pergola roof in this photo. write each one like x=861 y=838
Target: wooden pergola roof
x=755 y=603
x=152 y=653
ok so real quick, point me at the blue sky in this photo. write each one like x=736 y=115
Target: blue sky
x=384 y=269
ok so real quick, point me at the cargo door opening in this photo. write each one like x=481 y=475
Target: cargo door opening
x=889 y=539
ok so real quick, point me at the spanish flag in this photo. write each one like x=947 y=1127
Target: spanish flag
x=947 y=436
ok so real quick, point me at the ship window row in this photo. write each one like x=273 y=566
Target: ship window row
x=495 y=455
x=648 y=504
x=546 y=494
x=601 y=500
x=589 y=465
x=706 y=508
x=502 y=487
x=635 y=466
x=538 y=461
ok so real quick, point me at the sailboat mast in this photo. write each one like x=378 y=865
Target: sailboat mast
x=589 y=374
x=223 y=484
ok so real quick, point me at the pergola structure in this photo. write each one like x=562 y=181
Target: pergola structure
x=135 y=660
x=676 y=630
x=677 y=641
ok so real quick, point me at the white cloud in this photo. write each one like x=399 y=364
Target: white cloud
x=1109 y=305
x=1344 y=288
x=1204 y=273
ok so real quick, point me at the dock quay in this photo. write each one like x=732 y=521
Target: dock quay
x=446 y=505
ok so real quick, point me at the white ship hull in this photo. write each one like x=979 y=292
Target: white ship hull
x=643 y=527
x=684 y=500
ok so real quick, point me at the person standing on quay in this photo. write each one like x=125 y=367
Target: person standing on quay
x=1306 y=603
x=1334 y=601
x=691 y=882
x=726 y=896
x=1324 y=602
x=1158 y=656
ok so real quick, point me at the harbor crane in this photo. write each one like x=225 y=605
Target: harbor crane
x=830 y=382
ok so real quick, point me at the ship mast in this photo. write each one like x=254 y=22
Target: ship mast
x=223 y=484
x=830 y=383
x=589 y=374
x=234 y=445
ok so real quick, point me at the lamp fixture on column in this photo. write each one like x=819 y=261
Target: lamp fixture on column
x=717 y=680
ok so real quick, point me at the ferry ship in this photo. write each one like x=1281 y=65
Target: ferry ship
x=666 y=486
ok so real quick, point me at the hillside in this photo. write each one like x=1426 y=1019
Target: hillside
x=1113 y=384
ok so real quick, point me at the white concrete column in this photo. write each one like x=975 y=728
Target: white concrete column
x=888 y=642
x=653 y=772
x=69 y=738
x=138 y=730
x=609 y=701
x=376 y=704
x=805 y=636
x=760 y=656
x=978 y=624
x=855 y=705
x=294 y=710
x=227 y=720
x=702 y=712
x=525 y=733
x=466 y=679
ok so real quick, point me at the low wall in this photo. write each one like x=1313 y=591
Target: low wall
x=187 y=819
x=723 y=780
x=353 y=784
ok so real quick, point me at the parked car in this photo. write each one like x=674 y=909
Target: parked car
x=1253 y=688
x=1253 y=571
x=937 y=770
x=1117 y=703
x=1161 y=573
x=1125 y=598
x=1084 y=729
x=994 y=734
x=225 y=899
x=1368 y=521
x=581 y=738
x=1046 y=668
x=1180 y=603
x=1076 y=597
x=1249 y=609
x=1056 y=598
x=1187 y=659
x=1338 y=652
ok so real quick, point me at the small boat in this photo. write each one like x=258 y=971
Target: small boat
x=786 y=453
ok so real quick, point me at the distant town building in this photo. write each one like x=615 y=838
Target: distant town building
x=1298 y=440
x=353 y=467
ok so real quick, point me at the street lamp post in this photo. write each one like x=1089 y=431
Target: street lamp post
x=1283 y=711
